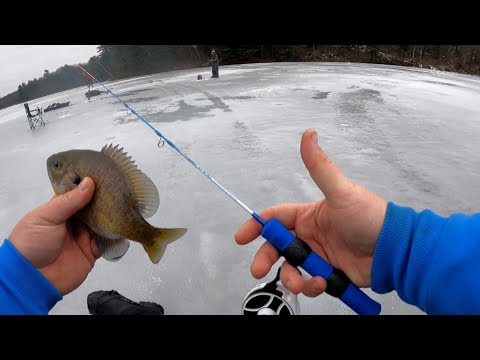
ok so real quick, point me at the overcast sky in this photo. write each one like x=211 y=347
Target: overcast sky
x=20 y=63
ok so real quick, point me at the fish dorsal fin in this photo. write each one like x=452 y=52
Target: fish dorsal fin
x=144 y=190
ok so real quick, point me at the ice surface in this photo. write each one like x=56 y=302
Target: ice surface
x=411 y=135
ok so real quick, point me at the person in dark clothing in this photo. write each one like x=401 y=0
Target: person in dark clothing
x=215 y=62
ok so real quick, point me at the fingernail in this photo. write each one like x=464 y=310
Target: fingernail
x=83 y=185
x=315 y=137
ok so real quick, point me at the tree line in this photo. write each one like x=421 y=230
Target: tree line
x=114 y=62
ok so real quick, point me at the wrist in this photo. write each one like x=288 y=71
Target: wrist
x=23 y=289
x=37 y=254
x=404 y=253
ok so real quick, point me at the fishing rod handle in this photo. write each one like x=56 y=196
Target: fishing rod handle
x=298 y=253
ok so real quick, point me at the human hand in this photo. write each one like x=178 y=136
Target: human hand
x=64 y=257
x=343 y=228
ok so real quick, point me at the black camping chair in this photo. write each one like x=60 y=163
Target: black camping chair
x=34 y=117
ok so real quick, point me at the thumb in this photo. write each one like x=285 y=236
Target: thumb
x=326 y=174
x=59 y=209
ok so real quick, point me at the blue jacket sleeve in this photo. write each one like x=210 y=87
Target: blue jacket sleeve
x=431 y=261
x=23 y=289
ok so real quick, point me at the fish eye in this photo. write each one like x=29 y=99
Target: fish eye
x=56 y=164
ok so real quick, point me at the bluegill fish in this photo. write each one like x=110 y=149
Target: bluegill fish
x=124 y=197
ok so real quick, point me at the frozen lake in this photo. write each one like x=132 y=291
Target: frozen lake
x=410 y=135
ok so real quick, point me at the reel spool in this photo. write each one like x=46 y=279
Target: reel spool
x=271 y=298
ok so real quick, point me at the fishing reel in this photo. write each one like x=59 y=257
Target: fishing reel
x=271 y=298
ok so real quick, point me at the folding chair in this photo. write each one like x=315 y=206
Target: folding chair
x=34 y=117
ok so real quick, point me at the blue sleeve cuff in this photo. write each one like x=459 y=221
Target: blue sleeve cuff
x=23 y=289
x=405 y=253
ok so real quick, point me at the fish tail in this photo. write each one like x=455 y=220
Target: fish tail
x=160 y=239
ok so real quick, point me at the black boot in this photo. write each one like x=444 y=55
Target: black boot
x=112 y=303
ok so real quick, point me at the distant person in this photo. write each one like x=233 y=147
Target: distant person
x=215 y=63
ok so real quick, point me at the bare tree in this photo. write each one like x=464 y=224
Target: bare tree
x=423 y=51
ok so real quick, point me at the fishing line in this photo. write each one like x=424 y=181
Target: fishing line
x=99 y=63
x=296 y=251
x=165 y=139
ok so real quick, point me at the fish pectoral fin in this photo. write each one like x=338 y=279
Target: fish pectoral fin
x=144 y=191
x=112 y=249
x=161 y=238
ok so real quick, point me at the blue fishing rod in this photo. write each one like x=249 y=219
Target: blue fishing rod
x=296 y=251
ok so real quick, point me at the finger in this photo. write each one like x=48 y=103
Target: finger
x=266 y=256
x=314 y=286
x=95 y=249
x=324 y=172
x=291 y=278
x=84 y=240
x=74 y=226
x=93 y=244
x=62 y=207
x=251 y=229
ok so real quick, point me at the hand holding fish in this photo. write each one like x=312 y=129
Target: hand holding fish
x=42 y=237
x=124 y=198
x=343 y=228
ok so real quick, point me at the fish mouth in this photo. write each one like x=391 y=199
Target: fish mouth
x=57 y=188
x=49 y=175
